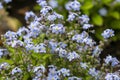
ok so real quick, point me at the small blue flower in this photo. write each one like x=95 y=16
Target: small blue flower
x=93 y=72
x=29 y=14
x=73 y=5
x=72 y=55
x=53 y=3
x=83 y=65
x=16 y=70
x=45 y=10
x=86 y=26
x=52 y=17
x=42 y=3
x=84 y=19
x=72 y=16
x=112 y=76
x=65 y=72
x=108 y=33
x=40 y=48
x=57 y=28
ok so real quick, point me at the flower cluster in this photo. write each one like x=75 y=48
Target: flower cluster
x=51 y=47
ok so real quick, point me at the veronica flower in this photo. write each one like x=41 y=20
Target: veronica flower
x=29 y=14
x=93 y=72
x=39 y=70
x=59 y=16
x=27 y=39
x=72 y=55
x=10 y=35
x=79 y=38
x=84 y=19
x=97 y=51
x=17 y=43
x=53 y=3
x=89 y=41
x=113 y=60
x=72 y=16
x=3 y=52
x=29 y=46
x=86 y=26
x=42 y=3
x=62 y=45
x=52 y=17
x=65 y=72
x=112 y=76
x=62 y=52
x=74 y=78
x=4 y=66
x=73 y=5
x=83 y=65
x=40 y=48
x=22 y=31
x=53 y=77
x=108 y=33
x=16 y=70
x=53 y=45
x=45 y=10
x=57 y=28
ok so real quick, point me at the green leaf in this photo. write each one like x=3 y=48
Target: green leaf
x=106 y=1
x=115 y=24
x=4 y=60
x=87 y=5
x=115 y=14
x=36 y=7
x=97 y=20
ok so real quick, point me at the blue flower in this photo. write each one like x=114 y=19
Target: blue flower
x=87 y=26
x=16 y=70
x=40 y=48
x=112 y=76
x=72 y=16
x=72 y=55
x=45 y=10
x=108 y=33
x=73 y=5
x=29 y=14
x=93 y=72
x=53 y=3
x=57 y=28
x=84 y=19
x=83 y=65
x=65 y=72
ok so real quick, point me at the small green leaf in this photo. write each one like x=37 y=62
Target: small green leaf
x=97 y=20
x=8 y=61
x=106 y=1
x=115 y=14
x=87 y=5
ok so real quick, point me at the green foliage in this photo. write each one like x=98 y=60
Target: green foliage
x=97 y=20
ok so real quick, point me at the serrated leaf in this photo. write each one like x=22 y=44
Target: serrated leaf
x=97 y=20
